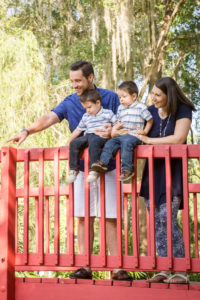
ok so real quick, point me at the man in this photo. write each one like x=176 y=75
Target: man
x=82 y=76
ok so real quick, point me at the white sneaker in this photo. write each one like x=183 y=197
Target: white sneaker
x=92 y=176
x=72 y=176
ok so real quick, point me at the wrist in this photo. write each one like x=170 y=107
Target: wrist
x=26 y=130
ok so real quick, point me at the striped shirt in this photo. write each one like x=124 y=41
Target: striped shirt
x=134 y=115
x=89 y=123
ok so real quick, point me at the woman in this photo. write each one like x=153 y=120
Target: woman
x=172 y=115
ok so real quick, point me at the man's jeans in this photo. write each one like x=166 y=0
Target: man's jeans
x=91 y=140
x=126 y=143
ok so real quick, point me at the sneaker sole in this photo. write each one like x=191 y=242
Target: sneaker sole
x=124 y=180
x=99 y=169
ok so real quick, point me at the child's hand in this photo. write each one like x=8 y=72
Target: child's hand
x=139 y=130
x=119 y=125
x=104 y=132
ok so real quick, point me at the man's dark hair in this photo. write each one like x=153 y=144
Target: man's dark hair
x=90 y=96
x=129 y=86
x=85 y=66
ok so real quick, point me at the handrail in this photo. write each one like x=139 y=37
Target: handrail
x=127 y=223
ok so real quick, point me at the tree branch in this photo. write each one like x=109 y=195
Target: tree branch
x=161 y=44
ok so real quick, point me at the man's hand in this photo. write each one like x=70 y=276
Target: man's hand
x=18 y=138
x=105 y=132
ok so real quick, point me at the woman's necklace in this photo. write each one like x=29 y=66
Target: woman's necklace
x=165 y=128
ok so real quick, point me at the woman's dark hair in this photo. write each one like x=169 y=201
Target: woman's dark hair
x=174 y=94
x=85 y=66
x=90 y=96
x=129 y=86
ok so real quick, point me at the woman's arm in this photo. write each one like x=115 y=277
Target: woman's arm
x=181 y=130
x=74 y=135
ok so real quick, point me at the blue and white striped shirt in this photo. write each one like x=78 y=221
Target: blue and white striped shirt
x=134 y=115
x=89 y=123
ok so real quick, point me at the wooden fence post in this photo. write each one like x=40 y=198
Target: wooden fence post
x=7 y=223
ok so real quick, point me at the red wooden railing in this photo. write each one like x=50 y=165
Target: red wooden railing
x=11 y=259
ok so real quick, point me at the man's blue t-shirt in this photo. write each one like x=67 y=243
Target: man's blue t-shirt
x=72 y=110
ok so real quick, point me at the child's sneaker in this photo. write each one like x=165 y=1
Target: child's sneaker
x=99 y=166
x=92 y=176
x=72 y=176
x=126 y=175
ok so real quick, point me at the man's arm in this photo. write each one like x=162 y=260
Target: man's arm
x=42 y=123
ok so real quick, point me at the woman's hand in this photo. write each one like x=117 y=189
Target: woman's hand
x=141 y=137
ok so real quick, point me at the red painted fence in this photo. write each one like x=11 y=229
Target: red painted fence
x=15 y=255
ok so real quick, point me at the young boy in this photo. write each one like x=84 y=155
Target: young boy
x=131 y=115
x=94 y=118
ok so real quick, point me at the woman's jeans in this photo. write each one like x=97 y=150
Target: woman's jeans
x=126 y=143
x=161 y=229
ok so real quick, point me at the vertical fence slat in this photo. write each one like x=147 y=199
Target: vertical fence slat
x=186 y=223
x=7 y=224
x=126 y=222
x=56 y=205
x=152 y=206
x=26 y=207
x=47 y=224
x=70 y=221
x=134 y=215
x=168 y=204
x=196 y=227
x=16 y=226
x=37 y=225
x=87 y=208
x=119 y=211
x=148 y=234
x=102 y=221
x=41 y=207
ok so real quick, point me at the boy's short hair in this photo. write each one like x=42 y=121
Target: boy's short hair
x=85 y=66
x=91 y=96
x=129 y=86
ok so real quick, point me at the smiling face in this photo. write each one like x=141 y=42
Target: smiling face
x=79 y=82
x=92 y=108
x=125 y=98
x=159 y=98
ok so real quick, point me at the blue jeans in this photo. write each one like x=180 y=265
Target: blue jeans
x=161 y=229
x=126 y=143
x=91 y=140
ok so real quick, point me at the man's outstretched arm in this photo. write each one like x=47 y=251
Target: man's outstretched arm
x=42 y=123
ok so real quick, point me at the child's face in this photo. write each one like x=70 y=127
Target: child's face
x=92 y=108
x=125 y=98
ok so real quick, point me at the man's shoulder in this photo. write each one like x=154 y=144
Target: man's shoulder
x=71 y=97
x=106 y=93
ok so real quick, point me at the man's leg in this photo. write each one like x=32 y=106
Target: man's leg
x=79 y=208
x=111 y=236
x=81 y=234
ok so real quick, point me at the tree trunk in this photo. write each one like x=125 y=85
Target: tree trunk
x=156 y=65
